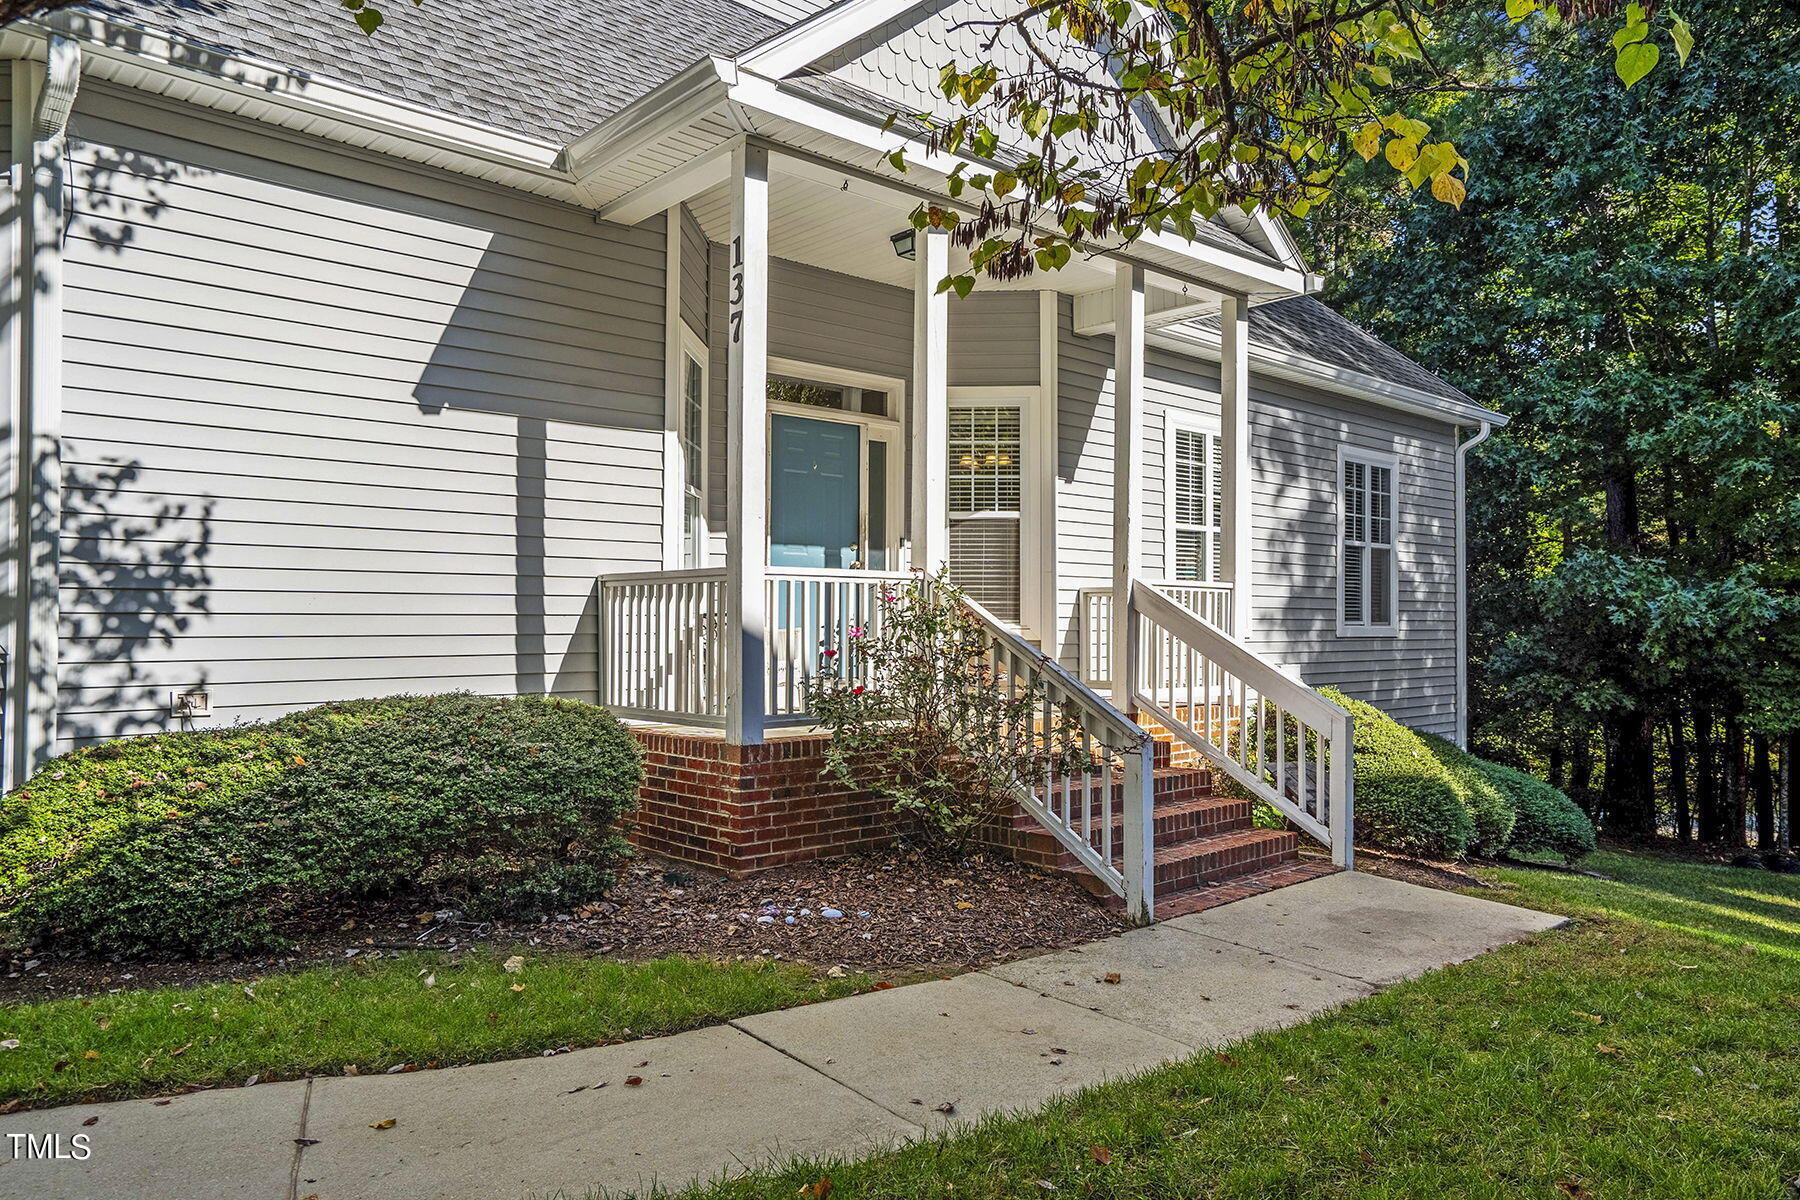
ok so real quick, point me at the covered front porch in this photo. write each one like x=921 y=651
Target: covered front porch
x=841 y=424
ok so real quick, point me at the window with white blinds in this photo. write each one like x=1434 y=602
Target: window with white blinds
x=1370 y=584
x=984 y=487
x=1196 y=504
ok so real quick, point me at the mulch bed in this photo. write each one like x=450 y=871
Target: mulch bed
x=902 y=912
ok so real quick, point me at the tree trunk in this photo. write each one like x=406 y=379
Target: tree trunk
x=1581 y=770
x=1784 y=820
x=1706 y=779
x=1733 y=833
x=1762 y=782
x=1678 y=779
x=1630 y=780
x=1559 y=764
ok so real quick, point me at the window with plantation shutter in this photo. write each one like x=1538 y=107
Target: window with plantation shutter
x=1196 y=504
x=985 y=488
x=1370 y=585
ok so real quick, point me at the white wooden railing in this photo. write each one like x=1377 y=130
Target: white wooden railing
x=1283 y=742
x=662 y=646
x=1093 y=787
x=1211 y=602
x=813 y=619
x=663 y=655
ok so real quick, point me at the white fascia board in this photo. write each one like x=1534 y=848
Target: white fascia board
x=1200 y=344
x=817 y=36
x=113 y=49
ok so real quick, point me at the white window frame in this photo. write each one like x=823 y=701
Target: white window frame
x=1391 y=462
x=1177 y=421
x=889 y=429
x=692 y=347
x=1029 y=399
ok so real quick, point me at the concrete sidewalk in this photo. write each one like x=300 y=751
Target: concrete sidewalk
x=849 y=1076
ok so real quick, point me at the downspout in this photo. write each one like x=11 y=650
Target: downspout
x=1462 y=582
x=42 y=100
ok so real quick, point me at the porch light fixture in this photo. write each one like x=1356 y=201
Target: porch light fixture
x=906 y=243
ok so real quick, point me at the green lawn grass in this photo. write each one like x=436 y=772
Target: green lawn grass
x=420 y=1009
x=1652 y=1049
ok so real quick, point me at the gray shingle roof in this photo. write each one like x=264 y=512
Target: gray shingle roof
x=1305 y=326
x=543 y=68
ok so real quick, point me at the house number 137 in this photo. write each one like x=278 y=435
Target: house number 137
x=737 y=290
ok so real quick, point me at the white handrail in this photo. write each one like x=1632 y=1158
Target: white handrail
x=1280 y=740
x=1097 y=768
x=1211 y=602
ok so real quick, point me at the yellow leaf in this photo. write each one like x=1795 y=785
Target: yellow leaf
x=964 y=904
x=1367 y=140
x=1402 y=153
x=388 y=1123
x=1449 y=189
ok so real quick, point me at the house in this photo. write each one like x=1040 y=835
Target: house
x=547 y=351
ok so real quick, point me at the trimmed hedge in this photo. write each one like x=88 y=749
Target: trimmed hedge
x=1548 y=821
x=1406 y=799
x=202 y=842
x=1420 y=794
x=1490 y=809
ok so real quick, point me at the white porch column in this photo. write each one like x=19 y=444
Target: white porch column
x=1138 y=799
x=1237 y=559
x=931 y=402
x=746 y=440
x=1128 y=469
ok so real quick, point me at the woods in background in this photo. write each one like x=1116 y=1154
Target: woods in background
x=1623 y=280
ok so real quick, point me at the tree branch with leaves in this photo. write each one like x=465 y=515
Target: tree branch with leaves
x=1098 y=121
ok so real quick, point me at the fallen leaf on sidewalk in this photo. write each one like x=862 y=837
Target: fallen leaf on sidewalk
x=946 y=1107
x=634 y=1081
x=386 y=1123
x=90 y=1121
x=1110 y=977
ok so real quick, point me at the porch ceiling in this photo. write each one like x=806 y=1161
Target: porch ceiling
x=840 y=222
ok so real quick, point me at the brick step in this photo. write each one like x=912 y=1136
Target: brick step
x=1222 y=860
x=1172 y=821
x=1170 y=785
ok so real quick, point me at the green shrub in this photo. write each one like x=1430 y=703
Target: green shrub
x=1490 y=809
x=1548 y=821
x=202 y=842
x=1406 y=799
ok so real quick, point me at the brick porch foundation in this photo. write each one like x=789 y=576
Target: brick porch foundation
x=741 y=809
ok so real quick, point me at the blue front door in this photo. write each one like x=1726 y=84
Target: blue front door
x=815 y=492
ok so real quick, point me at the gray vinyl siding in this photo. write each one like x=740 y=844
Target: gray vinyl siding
x=1297 y=432
x=994 y=340
x=696 y=275
x=1295 y=435
x=337 y=427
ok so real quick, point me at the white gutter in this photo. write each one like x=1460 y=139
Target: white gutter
x=34 y=360
x=1462 y=583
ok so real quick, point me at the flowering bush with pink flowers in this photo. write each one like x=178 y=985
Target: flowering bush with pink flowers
x=919 y=712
